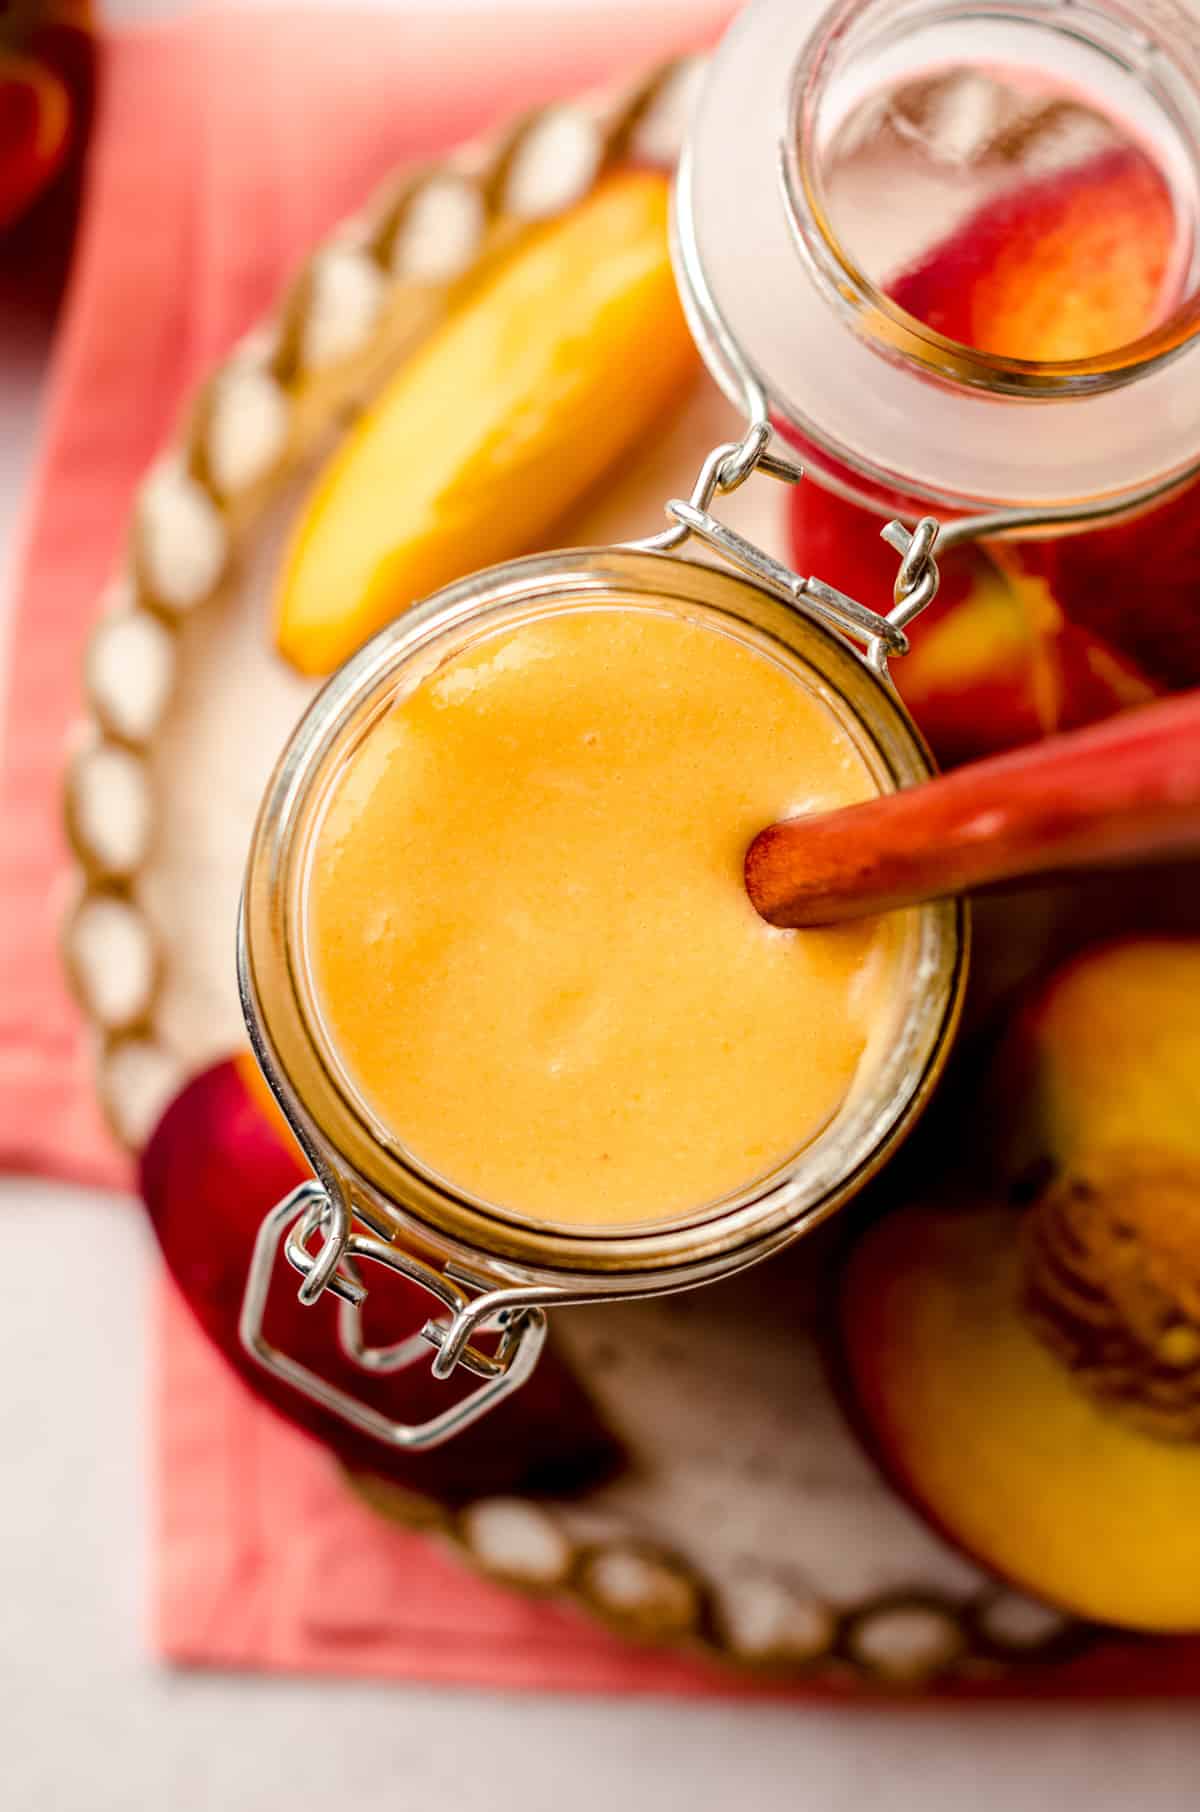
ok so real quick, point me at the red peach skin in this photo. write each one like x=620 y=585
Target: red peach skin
x=35 y=129
x=1068 y=266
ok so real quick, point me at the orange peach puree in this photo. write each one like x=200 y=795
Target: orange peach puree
x=531 y=942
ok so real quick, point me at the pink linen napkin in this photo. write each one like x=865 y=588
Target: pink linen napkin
x=225 y=146
x=265 y=1560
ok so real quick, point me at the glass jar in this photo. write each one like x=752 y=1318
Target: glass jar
x=785 y=293
x=490 y=1270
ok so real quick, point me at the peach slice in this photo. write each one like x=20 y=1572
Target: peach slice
x=1041 y=635
x=1135 y=585
x=981 y=1424
x=1005 y=667
x=994 y=662
x=536 y=383
x=219 y=1160
x=1069 y=266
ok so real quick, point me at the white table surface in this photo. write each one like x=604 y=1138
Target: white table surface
x=90 y=1722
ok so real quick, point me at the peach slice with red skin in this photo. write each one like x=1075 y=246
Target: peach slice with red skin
x=219 y=1160
x=1068 y=266
x=1134 y=585
x=994 y=662
x=1072 y=267
x=1037 y=636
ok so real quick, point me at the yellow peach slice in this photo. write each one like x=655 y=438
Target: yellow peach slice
x=988 y=1433
x=558 y=361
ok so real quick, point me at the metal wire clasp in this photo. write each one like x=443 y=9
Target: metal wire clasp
x=308 y=1212
x=727 y=467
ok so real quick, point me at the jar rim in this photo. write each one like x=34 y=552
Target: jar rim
x=332 y=1122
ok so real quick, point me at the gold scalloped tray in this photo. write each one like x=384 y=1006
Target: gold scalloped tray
x=750 y=1523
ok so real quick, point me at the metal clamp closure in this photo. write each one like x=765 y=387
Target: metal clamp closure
x=727 y=467
x=293 y=1224
x=825 y=601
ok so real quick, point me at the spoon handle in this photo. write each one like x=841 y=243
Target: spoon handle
x=1118 y=791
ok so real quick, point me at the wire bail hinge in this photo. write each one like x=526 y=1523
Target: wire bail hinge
x=310 y=1210
x=726 y=468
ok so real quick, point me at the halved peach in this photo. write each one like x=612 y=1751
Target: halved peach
x=1031 y=1375
x=986 y=1429
x=1112 y=1285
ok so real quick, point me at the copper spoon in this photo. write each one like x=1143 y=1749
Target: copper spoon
x=1120 y=791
